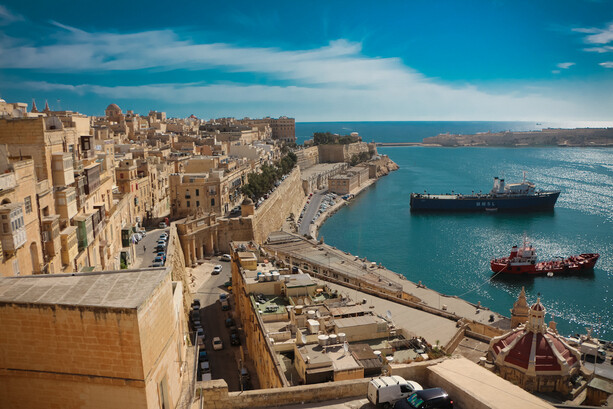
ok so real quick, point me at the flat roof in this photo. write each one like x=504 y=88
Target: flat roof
x=355 y=321
x=114 y=289
x=327 y=257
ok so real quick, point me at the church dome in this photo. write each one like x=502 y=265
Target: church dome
x=113 y=107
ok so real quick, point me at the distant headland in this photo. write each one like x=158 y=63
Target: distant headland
x=579 y=137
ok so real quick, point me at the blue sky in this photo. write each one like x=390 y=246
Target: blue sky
x=316 y=61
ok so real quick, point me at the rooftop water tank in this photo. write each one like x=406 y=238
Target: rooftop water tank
x=311 y=314
x=267 y=277
x=275 y=276
x=342 y=337
x=377 y=354
x=333 y=339
x=322 y=340
x=299 y=308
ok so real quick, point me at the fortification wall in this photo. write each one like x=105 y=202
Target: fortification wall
x=341 y=153
x=235 y=229
x=307 y=157
x=286 y=199
x=215 y=394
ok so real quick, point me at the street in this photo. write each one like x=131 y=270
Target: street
x=144 y=258
x=310 y=211
x=224 y=363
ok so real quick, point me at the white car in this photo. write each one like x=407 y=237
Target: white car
x=225 y=257
x=217 y=269
x=217 y=344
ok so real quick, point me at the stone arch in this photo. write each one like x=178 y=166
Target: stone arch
x=6 y=201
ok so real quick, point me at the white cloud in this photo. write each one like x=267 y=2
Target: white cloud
x=603 y=49
x=607 y=64
x=333 y=82
x=8 y=17
x=565 y=65
x=555 y=71
x=597 y=35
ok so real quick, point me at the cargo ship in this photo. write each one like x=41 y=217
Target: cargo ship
x=523 y=260
x=512 y=197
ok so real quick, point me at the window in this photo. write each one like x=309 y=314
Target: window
x=197 y=203
x=28 y=203
x=197 y=192
x=5 y=227
x=187 y=203
x=16 y=267
x=212 y=201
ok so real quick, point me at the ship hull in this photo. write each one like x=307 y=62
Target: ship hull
x=483 y=203
x=573 y=264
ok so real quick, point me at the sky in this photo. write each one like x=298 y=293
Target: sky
x=316 y=61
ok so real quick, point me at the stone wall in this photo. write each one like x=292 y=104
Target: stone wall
x=286 y=199
x=307 y=157
x=215 y=394
x=235 y=229
x=341 y=153
x=87 y=351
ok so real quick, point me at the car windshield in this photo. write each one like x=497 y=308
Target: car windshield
x=415 y=401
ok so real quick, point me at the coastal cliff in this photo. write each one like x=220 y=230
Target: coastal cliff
x=580 y=137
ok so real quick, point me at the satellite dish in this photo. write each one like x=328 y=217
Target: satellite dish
x=346 y=346
x=303 y=338
x=389 y=315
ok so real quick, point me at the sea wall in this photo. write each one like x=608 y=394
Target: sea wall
x=286 y=199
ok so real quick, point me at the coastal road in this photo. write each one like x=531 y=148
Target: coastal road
x=310 y=211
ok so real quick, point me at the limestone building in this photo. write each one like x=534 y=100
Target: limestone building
x=534 y=356
x=96 y=340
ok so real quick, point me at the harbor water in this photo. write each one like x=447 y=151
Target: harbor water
x=450 y=253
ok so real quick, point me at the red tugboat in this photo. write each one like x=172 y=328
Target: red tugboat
x=522 y=260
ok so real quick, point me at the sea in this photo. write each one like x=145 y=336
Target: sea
x=450 y=253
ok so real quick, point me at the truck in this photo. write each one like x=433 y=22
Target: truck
x=590 y=351
x=386 y=390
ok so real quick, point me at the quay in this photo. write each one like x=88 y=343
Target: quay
x=421 y=310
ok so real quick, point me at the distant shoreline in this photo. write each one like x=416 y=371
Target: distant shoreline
x=578 y=137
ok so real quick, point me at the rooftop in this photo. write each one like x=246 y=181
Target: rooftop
x=329 y=257
x=114 y=289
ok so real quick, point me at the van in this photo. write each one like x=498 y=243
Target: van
x=386 y=390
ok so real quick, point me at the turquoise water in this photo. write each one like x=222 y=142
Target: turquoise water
x=451 y=252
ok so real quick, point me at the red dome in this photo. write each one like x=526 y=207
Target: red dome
x=545 y=358
x=537 y=306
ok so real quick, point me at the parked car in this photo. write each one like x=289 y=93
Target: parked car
x=154 y=265
x=235 y=340
x=225 y=257
x=137 y=237
x=433 y=398
x=162 y=225
x=229 y=322
x=205 y=366
x=159 y=260
x=225 y=305
x=217 y=344
x=203 y=356
x=223 y=296
x=160 y=247
x=217 y=269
